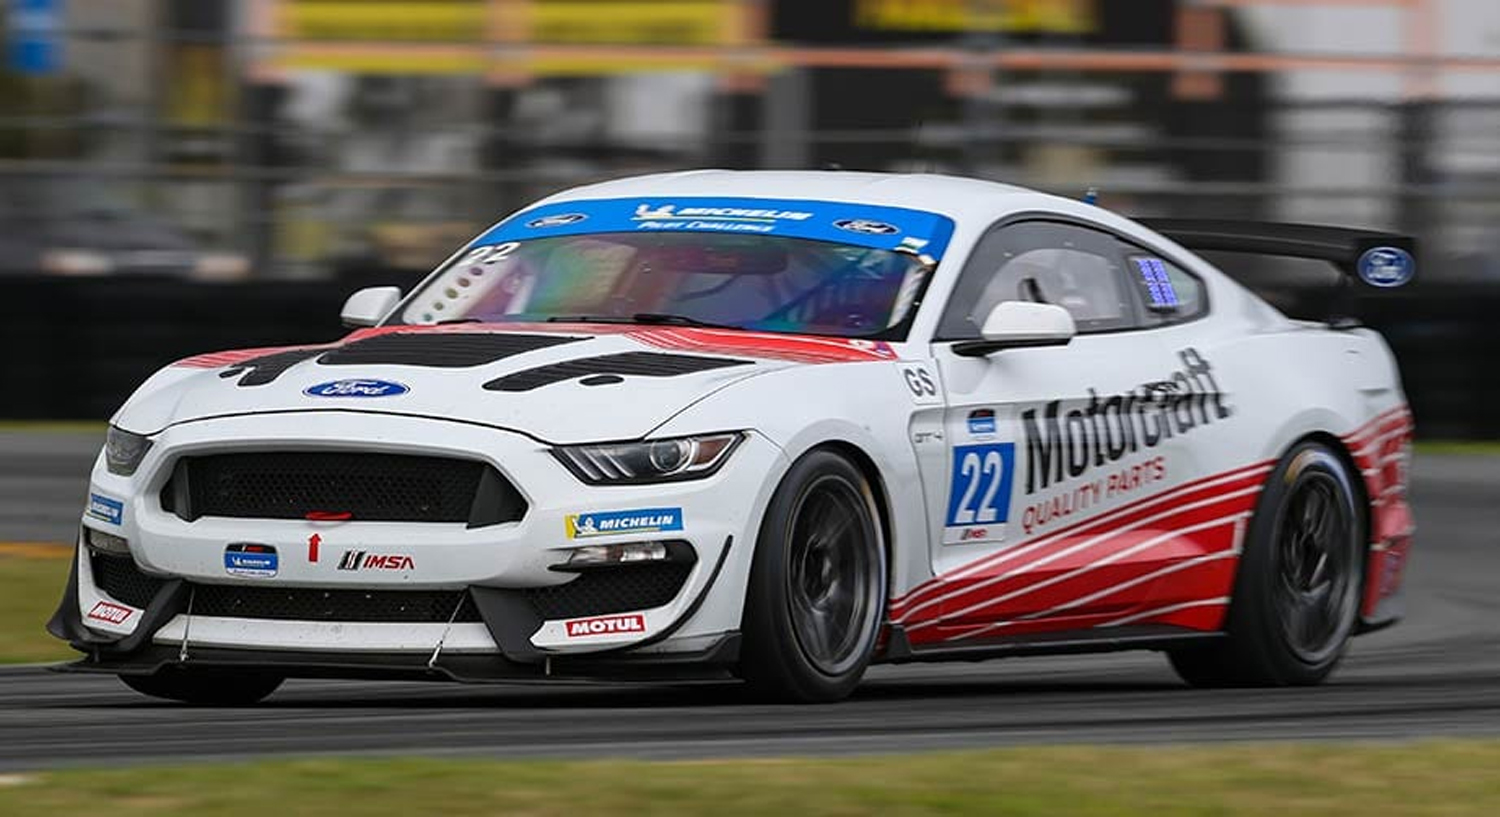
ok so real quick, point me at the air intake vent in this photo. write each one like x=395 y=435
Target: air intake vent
x=638 y=364
x=616 y=590
x=438 y=349
x=341 y=604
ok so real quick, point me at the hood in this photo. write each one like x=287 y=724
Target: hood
x=554 y=382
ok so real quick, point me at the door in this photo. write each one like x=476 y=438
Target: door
x=1044 y=442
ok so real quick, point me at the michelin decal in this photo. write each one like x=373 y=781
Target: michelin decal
x=611 y=523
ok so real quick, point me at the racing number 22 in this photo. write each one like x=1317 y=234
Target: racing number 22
x=979 y=492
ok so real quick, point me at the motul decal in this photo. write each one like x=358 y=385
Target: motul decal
x=361 y=560
x=606 y=625
x=112 y=613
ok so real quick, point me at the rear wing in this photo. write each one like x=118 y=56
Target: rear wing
x=1378 y=259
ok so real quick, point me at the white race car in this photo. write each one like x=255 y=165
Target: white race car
x=774 y=426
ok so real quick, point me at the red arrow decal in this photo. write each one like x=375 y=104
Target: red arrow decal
x=312 y=547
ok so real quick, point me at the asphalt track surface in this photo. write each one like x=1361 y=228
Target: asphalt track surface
x=1438 y=673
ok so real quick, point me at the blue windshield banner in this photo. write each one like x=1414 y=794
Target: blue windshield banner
x=863 y=225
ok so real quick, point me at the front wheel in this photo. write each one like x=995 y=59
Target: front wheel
x=1296 y=596
x=817 y=590
x=203 y=687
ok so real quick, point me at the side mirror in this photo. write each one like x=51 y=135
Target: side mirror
x=369 y=306
x=1020 y=324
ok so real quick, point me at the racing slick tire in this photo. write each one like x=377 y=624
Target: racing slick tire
x=205 y=687
x=817 y=590
x=1300 y=579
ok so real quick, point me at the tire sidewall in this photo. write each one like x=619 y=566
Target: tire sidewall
x=773 y=657
x=1254 y=624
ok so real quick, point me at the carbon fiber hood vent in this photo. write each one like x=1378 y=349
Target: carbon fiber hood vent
x=443 y=350
x=637 y=364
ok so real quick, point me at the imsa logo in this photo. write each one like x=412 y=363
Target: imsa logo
x=606 y=625
x=360 y=560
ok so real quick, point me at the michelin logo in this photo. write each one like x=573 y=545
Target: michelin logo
x=610 y=523
x=106 y=509
x=645 y=212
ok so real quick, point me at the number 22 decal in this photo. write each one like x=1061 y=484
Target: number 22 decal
x=979 y=490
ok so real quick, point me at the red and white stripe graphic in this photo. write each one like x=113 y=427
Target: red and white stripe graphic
x=232 y=357
x=1156 y=512
x=1382 y=450
x=1108 y=571
x=794 y=348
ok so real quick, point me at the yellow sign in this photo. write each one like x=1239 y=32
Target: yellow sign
x=386 y=20
x=452 y=36
x=602 y=22
x=1015 y=16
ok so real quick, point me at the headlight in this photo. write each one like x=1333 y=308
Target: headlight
x=123 y=451
x=650 y=460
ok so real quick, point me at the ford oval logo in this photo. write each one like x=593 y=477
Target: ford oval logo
x=559 y=220
x=1387 y=267
x=356 y=388
x=866 y=226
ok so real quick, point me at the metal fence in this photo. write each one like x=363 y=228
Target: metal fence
x=279 y=133
x=303 y=147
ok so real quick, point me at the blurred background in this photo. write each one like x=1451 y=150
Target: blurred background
x=178 y=176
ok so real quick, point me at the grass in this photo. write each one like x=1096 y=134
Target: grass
x=30 y=586
x=1439 y=777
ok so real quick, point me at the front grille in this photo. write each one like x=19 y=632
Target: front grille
x=359 y=486
x=616 y=590
x=121 y=580
x=319 y=604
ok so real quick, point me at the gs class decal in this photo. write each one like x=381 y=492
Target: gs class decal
x=921 y=383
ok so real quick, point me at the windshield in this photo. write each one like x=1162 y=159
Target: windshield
x=691 y=265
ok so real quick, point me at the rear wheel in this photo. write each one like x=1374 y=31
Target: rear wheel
x=1296 y=596
x=816 y=596
x=204 y=687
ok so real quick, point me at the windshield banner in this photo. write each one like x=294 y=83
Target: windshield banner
x=863 y=225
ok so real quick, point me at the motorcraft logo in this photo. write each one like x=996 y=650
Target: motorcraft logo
x=606 y=625
x=356 y=388
x=362 y=560
x=1063 y=445
x=609 y=523
x=112 y=613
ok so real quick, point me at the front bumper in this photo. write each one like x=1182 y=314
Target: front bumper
x=498 y=571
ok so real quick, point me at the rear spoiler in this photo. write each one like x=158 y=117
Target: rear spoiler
x=1378 y=259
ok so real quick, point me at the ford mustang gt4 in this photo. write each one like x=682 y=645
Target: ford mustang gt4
x=775 y=426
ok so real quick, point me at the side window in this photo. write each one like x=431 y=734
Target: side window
x=1169 y=293
x=1074 y=267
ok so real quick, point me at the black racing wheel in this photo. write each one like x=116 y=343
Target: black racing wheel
x=817 y=591
x=1296 y=596
x=205 y=687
